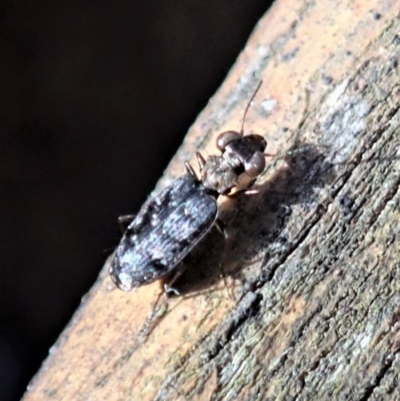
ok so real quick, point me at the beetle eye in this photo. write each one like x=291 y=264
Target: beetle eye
x=225 y=138
x=256 y=165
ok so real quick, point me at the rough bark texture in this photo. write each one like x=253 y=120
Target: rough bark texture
x=311 y=305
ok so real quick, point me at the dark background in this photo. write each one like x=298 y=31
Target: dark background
x=96 y=96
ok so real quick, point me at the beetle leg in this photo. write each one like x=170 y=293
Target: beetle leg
x=190 y=170
x=170 y=290
x=249 y=190
x=201 y=160
x=221 y=227
x=171 y=279
x=124 y=221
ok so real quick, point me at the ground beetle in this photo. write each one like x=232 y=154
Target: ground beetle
x=170 y=224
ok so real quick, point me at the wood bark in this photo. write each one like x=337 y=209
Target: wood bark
x=302 y=302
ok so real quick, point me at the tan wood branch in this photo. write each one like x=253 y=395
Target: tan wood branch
x=312 y=261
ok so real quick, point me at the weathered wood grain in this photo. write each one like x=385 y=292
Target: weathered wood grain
x=312 y=259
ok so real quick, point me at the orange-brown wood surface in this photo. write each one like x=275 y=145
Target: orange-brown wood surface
x=310 y=304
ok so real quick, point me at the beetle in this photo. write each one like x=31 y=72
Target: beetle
x=170 y=224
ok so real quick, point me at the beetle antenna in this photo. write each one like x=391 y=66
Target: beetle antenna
x=248 y=106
